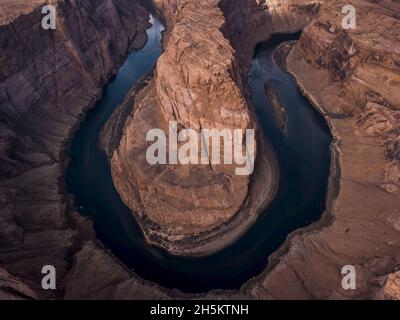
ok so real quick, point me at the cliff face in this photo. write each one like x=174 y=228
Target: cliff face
x=352 y=77
x=250 y=22
x=200 y=83
x=47 y=81
x=391 y=289
x=197 y=84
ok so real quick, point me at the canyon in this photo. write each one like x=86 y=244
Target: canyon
x=48 y=80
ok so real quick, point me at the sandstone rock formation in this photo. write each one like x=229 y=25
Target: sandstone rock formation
x=351 y=77
x=192 y=209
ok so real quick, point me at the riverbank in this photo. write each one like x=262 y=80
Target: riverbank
x=112 y=131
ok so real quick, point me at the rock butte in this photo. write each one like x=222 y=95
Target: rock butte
x=351 y=78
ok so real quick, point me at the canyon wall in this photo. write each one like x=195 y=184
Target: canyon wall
x=352 y=77
x=48 y=79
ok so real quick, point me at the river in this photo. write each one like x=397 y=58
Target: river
x=304 y=161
